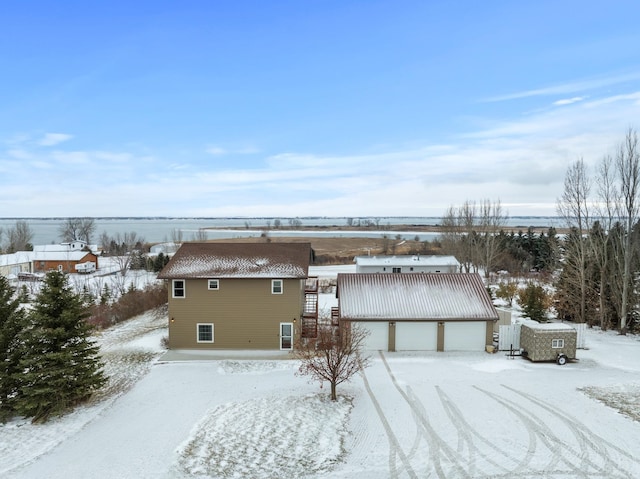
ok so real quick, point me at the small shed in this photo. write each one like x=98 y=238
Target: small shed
x=548 y=341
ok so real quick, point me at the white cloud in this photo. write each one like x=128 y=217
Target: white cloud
x=219 y=151
x=569 y=87
x=569 y=101
x=51 y=139
x=216 y=150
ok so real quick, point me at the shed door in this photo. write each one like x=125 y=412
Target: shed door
x=465 y=335
x=412 y=336
x=378 y=338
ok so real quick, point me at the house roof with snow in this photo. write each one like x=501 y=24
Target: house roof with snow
x=414 y=296
x=72 y=246
x=239 y=260
x=407 y=260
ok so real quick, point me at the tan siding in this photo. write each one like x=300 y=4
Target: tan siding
x=244 y=312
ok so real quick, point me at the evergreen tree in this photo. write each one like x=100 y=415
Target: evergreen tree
x=12 y=321
x=60 y=364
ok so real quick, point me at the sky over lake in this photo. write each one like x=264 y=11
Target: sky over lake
x=283 y=108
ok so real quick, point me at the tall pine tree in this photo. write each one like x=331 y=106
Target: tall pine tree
x=12 y=320
x=60 y=364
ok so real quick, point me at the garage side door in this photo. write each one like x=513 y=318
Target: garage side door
x=416 y=336
x=378 y=338
x=465 y=336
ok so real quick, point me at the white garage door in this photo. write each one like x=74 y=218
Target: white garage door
x=416 y=336
x=465 y=336
x=378 y=338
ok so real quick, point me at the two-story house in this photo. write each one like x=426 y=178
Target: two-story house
x=240 y=296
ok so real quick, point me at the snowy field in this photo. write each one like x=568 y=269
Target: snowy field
x=411 y=415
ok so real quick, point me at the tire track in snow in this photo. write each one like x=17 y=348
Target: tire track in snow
x=562 y=452
x=394 y=445
x=585 y=437
x=469 y=435
x=436 y=444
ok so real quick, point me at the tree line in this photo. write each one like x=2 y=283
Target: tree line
x=599 y=279
x=593 y=267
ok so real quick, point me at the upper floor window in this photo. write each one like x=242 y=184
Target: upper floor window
x=397 y=270
x=179 y=288
x=213 y=284
x=276 y=286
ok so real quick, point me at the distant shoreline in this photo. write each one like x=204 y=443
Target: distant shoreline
x=382 y=228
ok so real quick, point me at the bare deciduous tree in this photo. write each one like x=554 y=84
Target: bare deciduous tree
x=573 y=207
x=627 y=163
x=19 y=237
x=200 y=236
x=177 y=236
x=81 y=229
x=492 y=219
x=333 y=357
x=459 y=234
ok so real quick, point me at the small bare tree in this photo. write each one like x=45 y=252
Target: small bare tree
x=177 y=236
x=19 y=237
x=334 y=356
x=200 y=236
x=81 y=229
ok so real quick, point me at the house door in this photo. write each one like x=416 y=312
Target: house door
x=286 y=336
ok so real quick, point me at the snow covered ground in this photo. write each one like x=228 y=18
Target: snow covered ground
x=411 y=415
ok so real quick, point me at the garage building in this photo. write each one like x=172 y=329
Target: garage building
x=418 y=311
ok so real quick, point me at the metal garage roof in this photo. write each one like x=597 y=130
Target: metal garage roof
x=414 y=296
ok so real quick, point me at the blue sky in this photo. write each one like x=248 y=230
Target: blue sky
x=329 y=108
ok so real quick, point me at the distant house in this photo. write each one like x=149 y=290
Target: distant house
x=407 y=264
x=240 y=296
x=11 y=265
x=43 y=259
x=418 y=311
x=60 y=260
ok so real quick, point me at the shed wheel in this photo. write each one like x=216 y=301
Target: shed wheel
x=561 y=359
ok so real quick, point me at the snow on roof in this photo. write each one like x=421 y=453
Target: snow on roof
x=29 y=256
x=75 y=246
x=239 y=260
x=407 y=260
x=414 y=296
x=547 y=326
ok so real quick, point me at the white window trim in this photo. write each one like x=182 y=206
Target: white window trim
x=292 y=336
x=273 y=283
x=557 y=343
x=217 y=284
x=198 y=332
x=173 y=289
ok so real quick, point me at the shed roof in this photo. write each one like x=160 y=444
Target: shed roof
x=239 y=260
x=414 y=296
x=407 y=260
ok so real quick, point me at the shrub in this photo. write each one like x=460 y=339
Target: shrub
x=130 y=304
x=535 y=301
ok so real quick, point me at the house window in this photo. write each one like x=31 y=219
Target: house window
x=205 y=332
x=397 y=270
x=178 y=288
x=557 y=343
x=214 y=284
x=276 y=286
